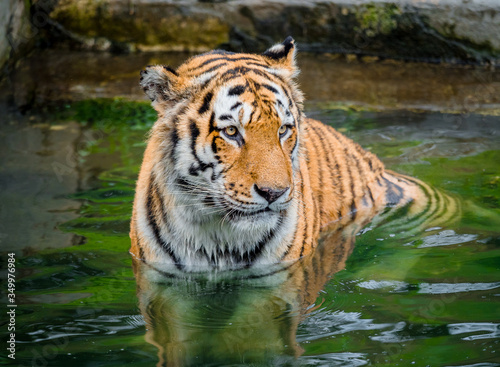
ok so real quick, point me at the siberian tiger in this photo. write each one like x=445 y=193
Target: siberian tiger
x=235 y=176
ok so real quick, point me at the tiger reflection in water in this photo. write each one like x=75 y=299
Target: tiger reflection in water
x=245 y=316
x=238 y=185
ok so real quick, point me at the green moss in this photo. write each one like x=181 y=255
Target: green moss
x=376 y=19
x=78 y=16
x=149 y=28
x=108 y=112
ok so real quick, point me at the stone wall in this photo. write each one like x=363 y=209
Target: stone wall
x=459 y=31
x=426 y=30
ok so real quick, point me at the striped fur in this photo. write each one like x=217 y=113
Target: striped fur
x=230 y=137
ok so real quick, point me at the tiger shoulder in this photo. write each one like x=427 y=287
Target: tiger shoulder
x=236 y=176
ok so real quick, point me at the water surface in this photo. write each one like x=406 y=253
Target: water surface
x=426 y=299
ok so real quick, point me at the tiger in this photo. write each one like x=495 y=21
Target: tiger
x=235 y=176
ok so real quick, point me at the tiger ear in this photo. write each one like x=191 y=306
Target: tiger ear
x=160 y=83
x=282 y=56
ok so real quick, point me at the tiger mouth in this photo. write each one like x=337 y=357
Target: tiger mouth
x=235 y=214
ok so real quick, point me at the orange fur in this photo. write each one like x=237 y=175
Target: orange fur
x=329 y=181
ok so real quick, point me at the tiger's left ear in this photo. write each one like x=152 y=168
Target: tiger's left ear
x=283 y=57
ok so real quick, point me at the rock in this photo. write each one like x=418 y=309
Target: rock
x=462 y=31
x=15 y=30
x=456 y=31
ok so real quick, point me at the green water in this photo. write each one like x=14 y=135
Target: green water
x=428 y=300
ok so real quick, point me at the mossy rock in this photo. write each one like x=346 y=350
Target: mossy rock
x=163 y=25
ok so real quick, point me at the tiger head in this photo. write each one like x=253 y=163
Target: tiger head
x=229 y=128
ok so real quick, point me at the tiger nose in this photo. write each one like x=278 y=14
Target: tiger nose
x=269 y=194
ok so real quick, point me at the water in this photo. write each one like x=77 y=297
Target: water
x=429 y=299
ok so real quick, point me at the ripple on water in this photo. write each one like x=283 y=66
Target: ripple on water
x=389 y=285
x=102 y=325
x=427 y=288
x=322 y=325
x=444 y=238
x=442 y=288
x=336 y=359
x=489 y=330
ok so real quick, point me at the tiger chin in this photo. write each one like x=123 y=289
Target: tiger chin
x=236 y=176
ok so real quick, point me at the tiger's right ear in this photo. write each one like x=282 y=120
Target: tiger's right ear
x=160 y=83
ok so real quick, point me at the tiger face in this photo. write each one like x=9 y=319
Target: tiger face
x=254 y=138
x=230 y=134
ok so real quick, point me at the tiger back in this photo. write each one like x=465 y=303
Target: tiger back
x=235 y=176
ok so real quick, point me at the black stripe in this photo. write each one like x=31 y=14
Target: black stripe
x=337 y=167
x=296 y=142
x=231 y=74
x=163 y=215
x=166 y=247
x=259 y=65
x=306 y=227
x=272 y=89
x=371 y=195
x=215 y=67
x=421 y=217
x=141 y=250
x=222 y=58
x=195 y=132
x=211 y=124
x=393 y=194
x=184 y=185
x=174 y=135
x=236 y=105
x=174 y=141
x=214 y=148
x=316 y=219
x=328 y=154
x=352 y=207
x=290 y=103
x=206 y=103
x=202 y=166
x=139 y=245
x=236 y=91
x=250 y=257
x=168 y=68
x=361 y=173
x=251 y=116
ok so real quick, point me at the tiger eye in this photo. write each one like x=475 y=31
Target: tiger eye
x=230 y=130
x=283 y=129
